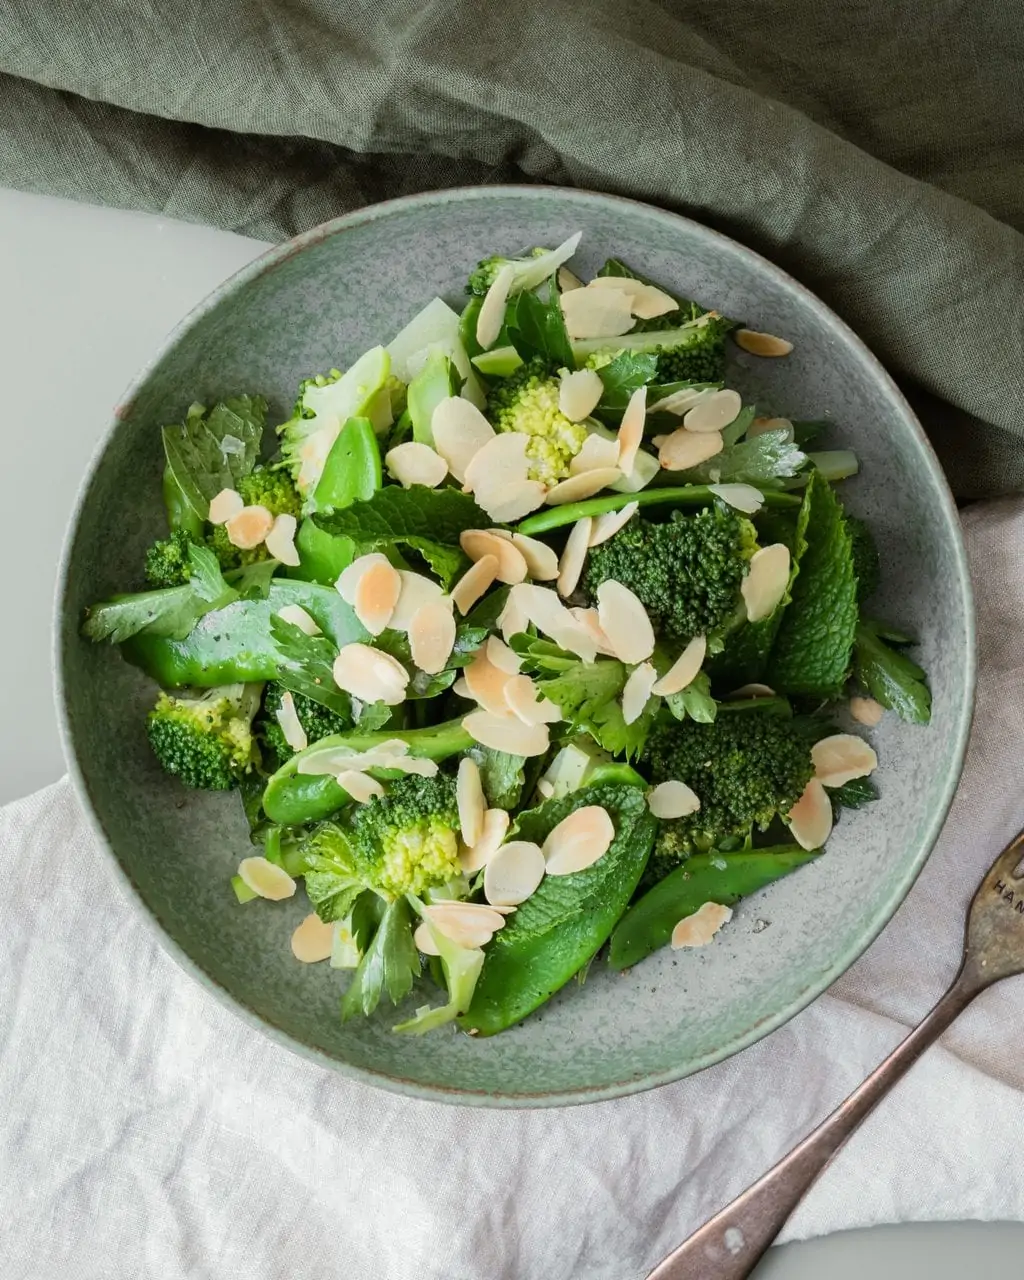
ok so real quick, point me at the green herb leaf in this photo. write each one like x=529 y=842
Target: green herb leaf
x=307 y=666
x=536 y=326
x=853 y=794
x=622 y=376
x=763 y=462
x=390 y=963
x=367 y=914
x=206 y=578
x=892 y=679
x=502 y=776
x=467 y=640
x=171 y=613
x=695 y=701
x=372 y=716
x=210 y=452
x=590 y=697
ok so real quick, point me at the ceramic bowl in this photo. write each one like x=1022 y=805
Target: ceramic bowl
x=317 y=302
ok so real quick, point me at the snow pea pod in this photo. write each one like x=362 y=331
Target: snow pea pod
x=706 y=877
x=234 y=644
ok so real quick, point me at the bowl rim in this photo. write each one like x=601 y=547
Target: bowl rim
x=821 y=980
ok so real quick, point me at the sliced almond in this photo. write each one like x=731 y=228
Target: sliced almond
x=714 y=413
x=649 y=301
x=432 y=637
x=685 y=669
x=524 y=701
x=631 y=430
x=313 y=940
x=866 y=711
x=360 y=786
x=229 y=503
x=743 y=497
x=625 y=622
x=291 y=726
x=486 y=684
x=767 y=580
x=474 y=582
x=492 y=833
x=350 y=577
x=579 y=393
x=591 y=624
x=507 y=502
x=810 y=819
x=467 y=924
x=698 y=930
x=608 y=525
x=842 y=757
x=596 y=313
x=637 y=691
x=541 y=560
x=461 y=689
x=578 y=840
x=376 y=595
x=472 y=805
x=478 y=543
x=599 y=453
x=581 y=486
x=754 y=690
x=685 y=449
x=247 y=528
x=417 y=591
x=574 y=556
x=507 y=733
x=492 y=310
x=460 y=431
x=513 y=873
x=567 y=281
x=499 y=655
x=760 y=425
x=672 y=799
x=280 y=541
x=762 y=344
x=298 y=617
x=423 y=768
x=501 y=461
x=370 y=674
x=415 y=463
x=679 y=402
x=513 y=618
x=266 y=878
x=424 y=940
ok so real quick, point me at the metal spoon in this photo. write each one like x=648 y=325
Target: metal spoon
x=731 y=1244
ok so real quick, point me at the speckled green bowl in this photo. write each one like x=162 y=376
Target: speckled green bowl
x=317 y=302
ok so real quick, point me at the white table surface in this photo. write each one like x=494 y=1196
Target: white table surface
x=86 y=294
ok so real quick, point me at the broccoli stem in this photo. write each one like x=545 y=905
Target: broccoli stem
x=690 y=495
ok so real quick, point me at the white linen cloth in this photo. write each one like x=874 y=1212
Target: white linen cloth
x=146 y=1132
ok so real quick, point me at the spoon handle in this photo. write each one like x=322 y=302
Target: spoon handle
x=730 y=1245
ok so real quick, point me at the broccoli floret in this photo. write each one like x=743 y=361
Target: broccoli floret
x=699 y=356
x=267 y=487
x=746 y=768
x=482 y=276
x=167 y=563
x=207 y=740
x=316 y=719
x=866 y=564
x=405 y=841
x=686 y=572
x=527 y=402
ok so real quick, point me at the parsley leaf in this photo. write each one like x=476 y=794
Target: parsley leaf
x=213 y=451
x=589 y=695
x=467 y=640
x=763 y=462
x=307 y=666
x=390 y=963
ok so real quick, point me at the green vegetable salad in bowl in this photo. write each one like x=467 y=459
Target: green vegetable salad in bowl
x=526 y=642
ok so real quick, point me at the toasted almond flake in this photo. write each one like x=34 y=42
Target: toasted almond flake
x=474 y=582
x=606 y=526
x=579 y=393
x=298 y=617
x=625 y=622
x=266 y=878
x=492 y=832
x=370 y=674
x=360 y=786
x=229 y=503
x=376 y=595
x=685 y=449
x=766 y=581
x=679 y=402
x=417 y=591
x=598 y=453
x=524 y=701
x=247 y=528
x=280 y=541
x=628 y=285
x=589 y=621
x=842 y=757
x=581 y=486
x=507 y=733
x=596 y=313
x=460 y=431
x=508 y=502
x=472 y=805
x=541 y=560
x=658 y=441
x=762 y=344
x=478 y=543
x=685 y=669
x=649 y=301
x=760 y=425
x=415 y=463
x=754 y=690
x=578 y=840
x=313 y=456
x=501 y=461
x=866 y=711
x=313 y=940
x=545 y=788
x=631 y=430
x=499 y=655
x=339 y=759
x=514 y=873
x=744 y=497
x=513 y=619
x=492 y=310
x=810 y=819
x=714 y=413
x=467 y=924
x=350 y=576
x=574 y=556
x=461 y=689
x=291 y=726
x=567 y=281
x=698 y=930
x=637 y=691
x=424 y=940
x=423 y=768
x=576 y=639
x=432 y=637
x=672 y=799
x=486 y=684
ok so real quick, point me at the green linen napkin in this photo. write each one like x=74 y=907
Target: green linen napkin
x=875 y=150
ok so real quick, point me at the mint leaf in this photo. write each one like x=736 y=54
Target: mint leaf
x=502 y=776
x=629 y=371
x=307 y=666
x=811 y=653
x=172 y=613
x=390 y=963
x=762 y=462
x=210 y=452
x=536 y=327
x=889 y=676
x=853 y=794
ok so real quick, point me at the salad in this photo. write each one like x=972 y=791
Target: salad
x=522 y=639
